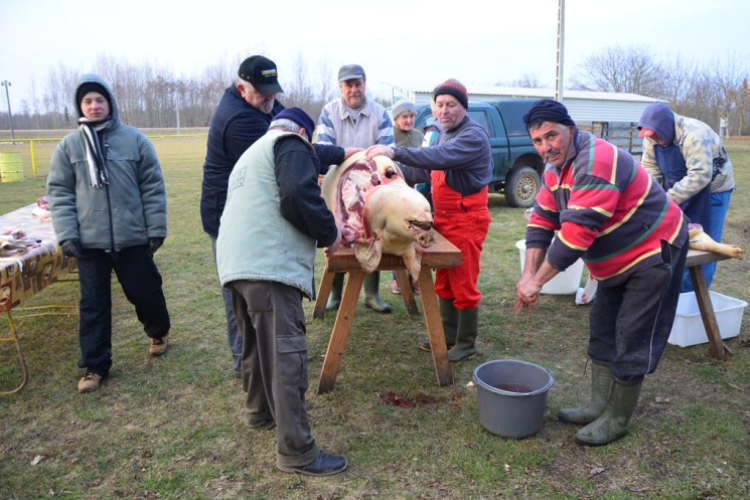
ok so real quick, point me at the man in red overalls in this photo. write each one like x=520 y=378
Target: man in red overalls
x=461 y=165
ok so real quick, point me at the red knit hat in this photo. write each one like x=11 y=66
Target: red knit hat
x=455 y=88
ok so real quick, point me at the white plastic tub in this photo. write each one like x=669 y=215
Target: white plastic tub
x=564 y=283
x=688 y=326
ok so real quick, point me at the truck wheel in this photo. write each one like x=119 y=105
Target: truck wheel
x=521 y=187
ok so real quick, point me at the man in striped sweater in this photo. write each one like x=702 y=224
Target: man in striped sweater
x=607 y=210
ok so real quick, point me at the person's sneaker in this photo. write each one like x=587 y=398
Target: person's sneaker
x=325 y=464
x=89 y=382
x=158 y=346
x=395 y=287
x=415 y=287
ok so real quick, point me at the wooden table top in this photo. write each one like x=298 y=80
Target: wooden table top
x=442 y=254
x=698 y=257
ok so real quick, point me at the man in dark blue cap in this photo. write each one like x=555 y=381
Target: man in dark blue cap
x=268 y=267
x=242 y=117
x=632 y=237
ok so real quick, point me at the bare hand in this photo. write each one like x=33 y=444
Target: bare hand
x=350 y=151
x=336 y=245
x=527 y=290
x=379 y=150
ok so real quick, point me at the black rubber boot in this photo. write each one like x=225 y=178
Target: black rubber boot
x=449 y=315
x=372 y=295
x=334 y=299
x=602 y=380
x=615 y=421
x=466 y=336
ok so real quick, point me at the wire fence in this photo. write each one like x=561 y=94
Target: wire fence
x=32 y=144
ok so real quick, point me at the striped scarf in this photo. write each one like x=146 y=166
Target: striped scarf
x=94 y=154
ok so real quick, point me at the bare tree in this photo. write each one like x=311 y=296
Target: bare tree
x=34 y=101
x=526 y=80
x=741 y=99
x=727 y=78
x=630 y=69
x=299 y=91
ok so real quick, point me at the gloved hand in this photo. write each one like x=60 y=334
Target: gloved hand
x=72 y=248
x=154 y=244
x=334 y=247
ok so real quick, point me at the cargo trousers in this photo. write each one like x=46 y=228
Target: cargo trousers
x=274 y=364
x=630 y=322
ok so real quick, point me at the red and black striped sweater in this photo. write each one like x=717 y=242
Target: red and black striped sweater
x=607 y=210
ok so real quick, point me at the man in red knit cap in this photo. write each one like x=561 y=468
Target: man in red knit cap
x=461 y=165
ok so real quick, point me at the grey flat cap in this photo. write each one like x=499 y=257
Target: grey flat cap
x=351 y=72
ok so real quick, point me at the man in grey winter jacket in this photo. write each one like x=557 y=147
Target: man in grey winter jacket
x=109 y=211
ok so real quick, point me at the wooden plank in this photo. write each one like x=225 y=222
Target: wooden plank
x=340 y=334
x=326 y=283
x=442 y=254
x=406 y=292
x=717 y=349
x=435 y=328
x=698 y=257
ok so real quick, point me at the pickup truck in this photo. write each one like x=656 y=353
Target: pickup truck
x=517 y=166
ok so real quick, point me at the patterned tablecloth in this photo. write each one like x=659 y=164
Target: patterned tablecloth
x=25 y=273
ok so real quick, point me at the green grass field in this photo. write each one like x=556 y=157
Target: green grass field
x=173 y=427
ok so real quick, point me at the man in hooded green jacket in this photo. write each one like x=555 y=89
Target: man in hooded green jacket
x=109 y=211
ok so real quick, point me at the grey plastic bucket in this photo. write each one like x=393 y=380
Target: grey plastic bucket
x=508 y=413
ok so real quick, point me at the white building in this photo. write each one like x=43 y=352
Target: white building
x=583 y=106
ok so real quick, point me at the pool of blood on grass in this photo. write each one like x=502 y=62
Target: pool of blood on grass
x=421 y=399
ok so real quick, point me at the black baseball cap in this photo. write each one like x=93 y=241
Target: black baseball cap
x=261 y=73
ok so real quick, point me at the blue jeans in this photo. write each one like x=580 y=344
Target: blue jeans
x=719 y=208
x=233 y=332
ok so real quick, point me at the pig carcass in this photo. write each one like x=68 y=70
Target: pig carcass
x=379 y=211
x=702 y=241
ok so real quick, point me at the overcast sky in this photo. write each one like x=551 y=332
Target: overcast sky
x=413 y=42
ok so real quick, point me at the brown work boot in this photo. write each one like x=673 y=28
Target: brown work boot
x=158 y=346
x=89 y=382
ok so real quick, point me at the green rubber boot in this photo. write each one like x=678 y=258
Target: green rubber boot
x=466 y=336
x=602 y=380
x=449 y=316
x=372 y=294
x=334 y=299
x=615 y=421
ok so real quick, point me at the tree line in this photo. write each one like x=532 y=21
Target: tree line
x=153 y=96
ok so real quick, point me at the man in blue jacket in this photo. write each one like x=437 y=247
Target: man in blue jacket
x=242 y=117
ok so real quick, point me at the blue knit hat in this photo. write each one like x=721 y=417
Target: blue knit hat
x=299 y=117
x=547 y=110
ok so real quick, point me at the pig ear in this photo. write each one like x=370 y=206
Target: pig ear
x=413 y=261
x=368 y=254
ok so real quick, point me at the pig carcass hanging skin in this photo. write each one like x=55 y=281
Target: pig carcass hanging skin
x=371 y=200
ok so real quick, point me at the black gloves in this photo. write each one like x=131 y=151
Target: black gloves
x=72 y=248
x=154 y=244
